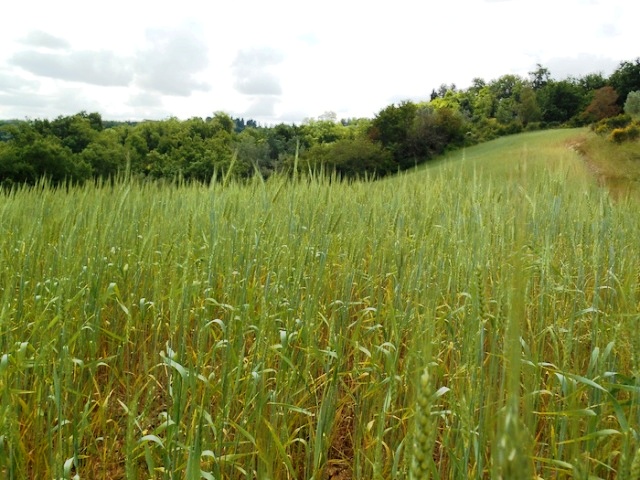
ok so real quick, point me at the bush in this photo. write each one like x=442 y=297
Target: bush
x=607 y=125
x=534 y=126
x=627 y=134
x=632 y=104
x=618 y=135
x=351 y=158
x=510 y=128
x=485 y=129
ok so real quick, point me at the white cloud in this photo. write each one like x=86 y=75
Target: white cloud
x=97 y=68
x=252 y=69
x=288 y=60
x=13 y=82
x=145 y=100
x=259 y=83
x=171 y=61
x=64 y=101
x=39 y=38
x=579 y=65
x=262 y=107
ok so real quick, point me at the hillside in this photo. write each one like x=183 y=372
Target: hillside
x=615 y=166
x=517 y=155
x=577 y=153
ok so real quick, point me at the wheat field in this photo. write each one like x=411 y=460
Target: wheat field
x=478 y=318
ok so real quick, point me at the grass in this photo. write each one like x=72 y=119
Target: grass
x=283 y=329
x=616 y=166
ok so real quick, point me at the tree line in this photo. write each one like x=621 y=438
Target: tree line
x=84 y=146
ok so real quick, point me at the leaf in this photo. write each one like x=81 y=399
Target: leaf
x=591 y=436
x=441 y=391
x=4 y=363
x=112 y=289
x=68 y=465
x=581 y=412
x=152 y=438
x=551 y=461
x=193 y=465
x=586 y=381
x=286 y=459
x=293 y=408
x=184 y=373
x=585 y=311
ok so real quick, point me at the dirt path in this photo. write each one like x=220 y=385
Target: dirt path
x=618 y=186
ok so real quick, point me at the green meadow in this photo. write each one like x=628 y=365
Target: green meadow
x=476 y=318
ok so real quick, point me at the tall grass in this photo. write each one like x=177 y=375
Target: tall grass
x=283 y=329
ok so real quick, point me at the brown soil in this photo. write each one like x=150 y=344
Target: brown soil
x=341 y=453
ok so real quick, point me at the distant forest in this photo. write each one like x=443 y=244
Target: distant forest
x=84 y=146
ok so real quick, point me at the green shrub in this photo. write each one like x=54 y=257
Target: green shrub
x=618 y=135
x=632 y=104
x=607 y=125
x=630 y=133
x=510 y=128
x=351 y=158
x=534 y=126
x=633 y=131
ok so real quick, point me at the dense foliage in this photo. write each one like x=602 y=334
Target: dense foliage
x=618 y=129
x=84 y=146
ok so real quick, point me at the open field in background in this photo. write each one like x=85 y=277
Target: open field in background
x=478 y=318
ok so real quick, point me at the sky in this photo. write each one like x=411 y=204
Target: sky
x=286 y=61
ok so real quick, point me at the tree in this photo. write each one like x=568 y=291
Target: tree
x=252 y=149
x=539 y=77
x=603 y=105
x=322 y=130
x=528 y=109
x=443 y=89
x=484 y=103
x=434 y=130
x=391 y=127
x=626 y=79
x=48 y=158
x=328 y=116
x=560 y=101
x=75 y=131
x=283 y=141
x=80 y=134
x=632 y=104
x=106 y=155
x=222 y=122
x=137 y=149
x=592 y=82
x=507 y=110
x=477 y=84
x=21 y=134
x=13 y=168
x=450 y=99
x=506 y=86
x=452 y=125
x=425 y=137
x=198 y=127
x=351 y=157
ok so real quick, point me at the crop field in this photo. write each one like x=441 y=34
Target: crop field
x=478 y=318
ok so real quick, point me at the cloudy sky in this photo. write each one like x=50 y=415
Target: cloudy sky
x=281 y=61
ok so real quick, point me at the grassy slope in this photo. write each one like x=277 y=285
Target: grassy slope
x=280 y=330
x=516 y=156
x=615 y=166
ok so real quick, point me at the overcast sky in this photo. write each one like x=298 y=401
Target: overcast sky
x=281 y=61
